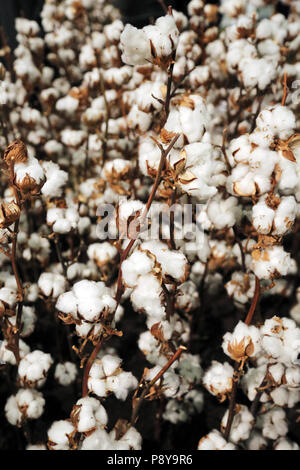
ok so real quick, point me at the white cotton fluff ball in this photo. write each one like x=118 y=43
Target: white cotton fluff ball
x=34 y=367
x=55 y=180
x=273 y=262
x=262 y=217
x=30 y=168
x=58 y=434
x=147 y=296
x=8 y=356
x=65 y=373
x=273 y=423
x=26 y=404
x=218 y=378
x=243 y=341
x=98 y=440
x=91 y=413
x=102 y=253
x=52 y=284
x=138 y=264
x=173 y=263
x=215 y=441
x=88 y=299
x=135 y=46
x=241 y=426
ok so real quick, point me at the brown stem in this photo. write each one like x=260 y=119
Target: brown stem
x=88 y=366
x=163 y=5
x=253 y=305
x=284 y=89
x=146 y=390
x=169 y=85
x=172 y=226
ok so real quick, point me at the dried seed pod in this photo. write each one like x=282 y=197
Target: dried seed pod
x=9 y=213
x=29 y=186
x=16 y=152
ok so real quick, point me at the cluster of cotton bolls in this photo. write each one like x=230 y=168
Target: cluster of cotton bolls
x=272 y=380
x=151 y=197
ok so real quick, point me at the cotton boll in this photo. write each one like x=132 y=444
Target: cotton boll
x=173 y=263
x=65 y=373
x=256 y=441
x=135 y=46
x=149 y=155
x=252 y=380
x=262 y=217
x=223 y=213
x=122 y=384
x=102 y=253
x=28 y=321
x=59 y=434
x=98 y=440
x=110 y=364
x=26 y=404
x=73 y=138
x=241 y=426
x=243 y=342
x=273 y=423
x=67 y=304
x=137 y=119
x=285 y=444
x=88 y=413
x=189 y=367
x=55 y=180
x=132 y=438
x=29 y=176
x=279 y=120
x=241 y=287
x=271 y=262
x=8 y=356
x=8 y=296
x=153 y=43
x=281 y=340
x=187 y=298
x=257 y=72
x=138 y=264
x=107 y=376
x=33 y=368
x=215 y=441
x=218 y=379
x=147 y=296
x=52 y=284
x=285 y=215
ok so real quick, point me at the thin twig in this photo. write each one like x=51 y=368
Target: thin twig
x=223 y=148
x=88 y=366
x=285 y=91
x=250 y=314
x=139 y=400
x=163 y=5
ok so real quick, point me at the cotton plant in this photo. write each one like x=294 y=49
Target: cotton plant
x=149 y=197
